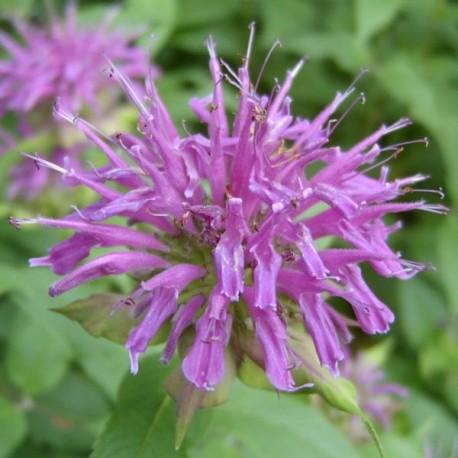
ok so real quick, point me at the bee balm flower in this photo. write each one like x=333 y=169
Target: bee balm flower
x=60 y=60
x=224 y=228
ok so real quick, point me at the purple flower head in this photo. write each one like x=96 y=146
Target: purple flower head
x=60 y=60
x=63 y=60
x=379 y=399
x=224 y=227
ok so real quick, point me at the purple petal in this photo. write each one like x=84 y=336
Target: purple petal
x=337 y=199
x=268 y=263
x=320 y=325
x=301 y=237
x=204 y=364
x=163 y=305
x=229 y=255
x=181 y=320
x=109 y=264
x=64 y=256
x=271 y=333
x=373 y=315
x=178 y=277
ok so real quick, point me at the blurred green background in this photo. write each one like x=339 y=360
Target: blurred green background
x=58 y=385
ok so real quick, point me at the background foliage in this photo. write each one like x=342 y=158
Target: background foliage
x=59 y=386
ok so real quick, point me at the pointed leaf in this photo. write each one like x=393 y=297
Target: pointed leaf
x=95 y=314
x=374 y=15
x=189 y=398
x=143 y=423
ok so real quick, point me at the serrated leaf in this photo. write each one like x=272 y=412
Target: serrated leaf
x=13 y=427
x=95 y=314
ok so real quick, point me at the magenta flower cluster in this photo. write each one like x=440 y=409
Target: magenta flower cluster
x=377 y=397
x=225 y=228
x=60 y=60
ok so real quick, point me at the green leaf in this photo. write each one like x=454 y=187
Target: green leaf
x=398 y=446
x=429 y=102
x=13 y=427
x=260 y=424
x=36 y=360
x=8 y=313
x=439 y=365
x=188 y=398
x=15 y=9
x=68 y=417
x=144 y=420
x=339 y=46
x=374 y=15
x=158 y=17
x=103 y=361
x=95 y=315
x=197 y=12
x=142 y=18
x=338 y=392
x=251 y=424
x=227 y=36
x=447 y=247
x=437 y=425
x=422 y=310
x=285 y=20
